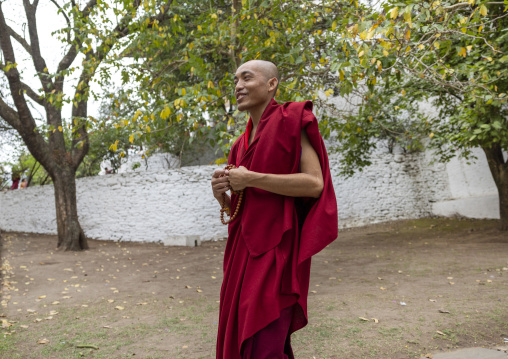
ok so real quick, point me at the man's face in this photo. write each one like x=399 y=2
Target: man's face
x=252 y=87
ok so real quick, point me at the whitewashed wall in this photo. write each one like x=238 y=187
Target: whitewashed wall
x=394 y=187
x=176 y=207
x=473 y=192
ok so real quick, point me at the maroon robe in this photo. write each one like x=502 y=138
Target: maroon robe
x=271 y=242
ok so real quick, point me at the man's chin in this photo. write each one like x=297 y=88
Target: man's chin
x=242 y=107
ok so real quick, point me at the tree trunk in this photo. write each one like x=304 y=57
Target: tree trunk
x=499 y=169
x=70 y=234
x=503 y=200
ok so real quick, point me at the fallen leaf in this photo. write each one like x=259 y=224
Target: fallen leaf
x=5 y=324
x=449 y=278
x=375 y=320
x=111 y=300
x=452 y=283
x=84 y=305
x=188 y=287
x=199 y=290
x=430 y=356
x=53 y=312
x=24 y=326
x=143 y=303
x=42 y=297
x=433 y=300
x=443 y=311
x=382 y=288
x=440 y=332
x=107 y=327
x=56 y=302
x=119 y=307
x=43 y=341
x=37 y=320
x=87 y=346
x=313 y=291
x=30 y=310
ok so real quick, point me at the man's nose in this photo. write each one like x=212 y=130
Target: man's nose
x=238 y=86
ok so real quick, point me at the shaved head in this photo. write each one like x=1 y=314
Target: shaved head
x=266 y=67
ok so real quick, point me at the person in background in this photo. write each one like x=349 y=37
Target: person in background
x=23 y=184
x=15 y=182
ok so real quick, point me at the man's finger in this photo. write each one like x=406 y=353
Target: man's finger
x=218 y=173
x=219 y=180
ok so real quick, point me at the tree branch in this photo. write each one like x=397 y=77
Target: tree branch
x=19 y=39
x=9 y=115
x=21 y=120
x=71 y=54
x=66 y=19
x=13 y=76
x=39 y=62
x=461 y=4
x=32 y=94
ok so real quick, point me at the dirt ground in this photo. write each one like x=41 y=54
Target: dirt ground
x=394 y=290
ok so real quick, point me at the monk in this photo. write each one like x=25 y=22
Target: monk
x=288 y=214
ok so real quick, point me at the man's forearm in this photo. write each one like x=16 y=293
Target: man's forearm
x=293 y=185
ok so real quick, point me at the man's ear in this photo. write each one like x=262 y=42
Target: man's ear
x=273 y=83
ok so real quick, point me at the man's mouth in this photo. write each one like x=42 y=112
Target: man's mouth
x=240 y=96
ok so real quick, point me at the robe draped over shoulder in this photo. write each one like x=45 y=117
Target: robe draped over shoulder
x=270 y=243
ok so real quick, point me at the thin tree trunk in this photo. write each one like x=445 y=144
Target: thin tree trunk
x=32 y=173
x=44 y=180
x=499 y=169
x=503 y=203
x=70 y=234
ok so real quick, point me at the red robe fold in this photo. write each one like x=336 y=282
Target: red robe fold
x=270 y=243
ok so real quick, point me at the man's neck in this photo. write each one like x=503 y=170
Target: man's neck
x=256 y=113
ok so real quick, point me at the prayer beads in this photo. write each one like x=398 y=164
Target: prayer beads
x=223 y=205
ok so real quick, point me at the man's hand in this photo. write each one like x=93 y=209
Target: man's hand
x=239 y=178
x=220 y=185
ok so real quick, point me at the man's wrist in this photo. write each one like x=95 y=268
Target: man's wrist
x=252 y=178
